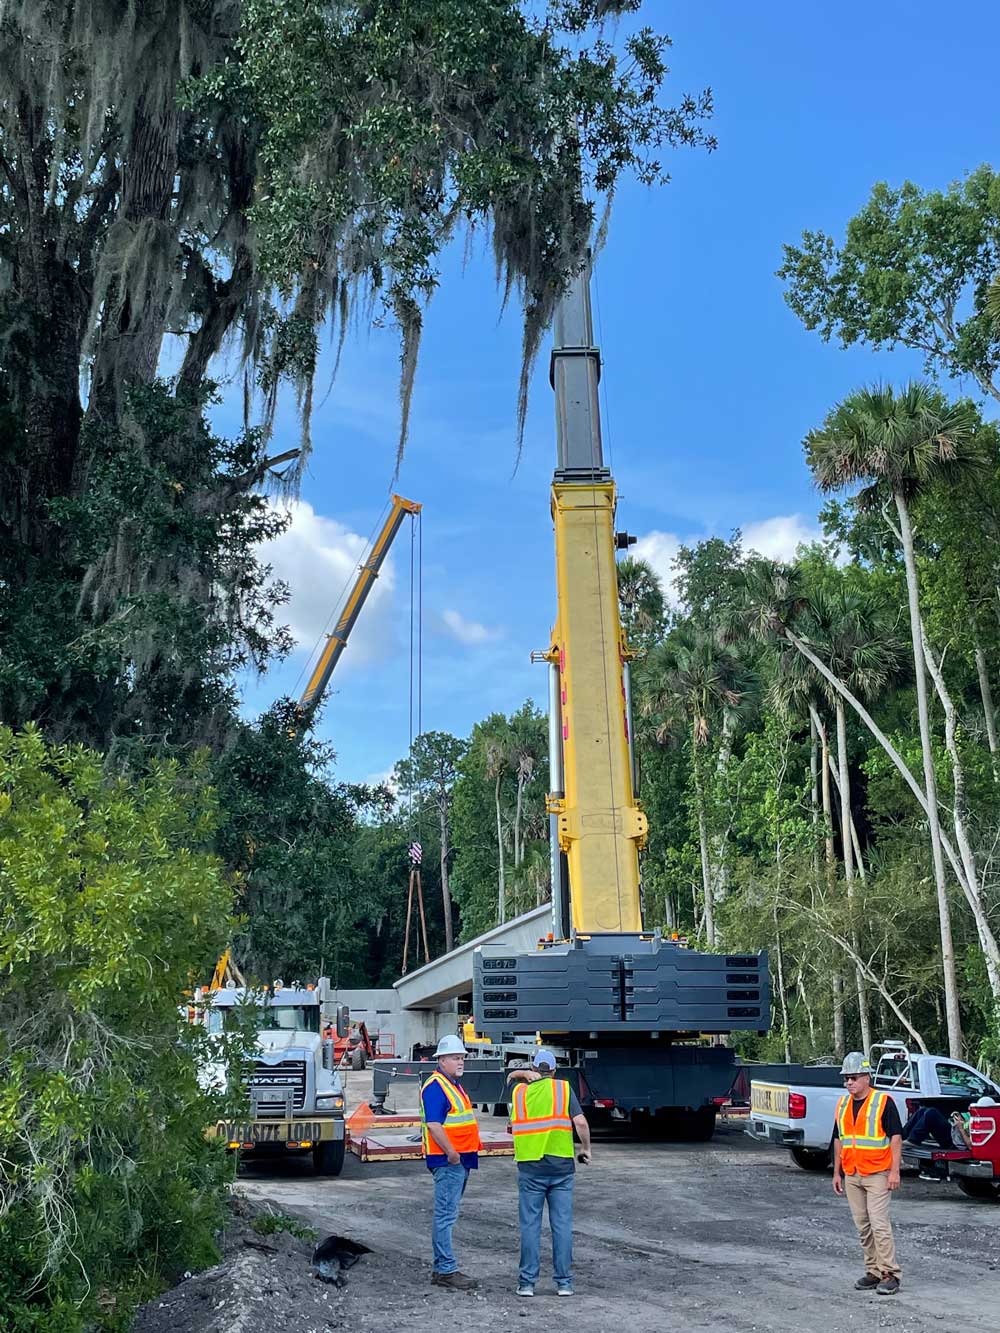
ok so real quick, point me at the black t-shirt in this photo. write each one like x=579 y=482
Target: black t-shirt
x=891 y=1123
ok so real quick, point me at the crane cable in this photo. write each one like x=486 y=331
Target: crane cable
x=416 y=655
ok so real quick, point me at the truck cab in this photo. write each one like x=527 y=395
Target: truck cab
x=296 y=1094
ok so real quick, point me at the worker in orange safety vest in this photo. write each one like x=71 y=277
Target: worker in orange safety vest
x=451 y=1143
x=867 y=1151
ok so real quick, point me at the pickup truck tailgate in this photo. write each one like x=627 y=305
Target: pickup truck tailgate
x=770 y=1099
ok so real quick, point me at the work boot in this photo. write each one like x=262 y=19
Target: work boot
x=888 y=1286
x=456 y=1281
x=868 y=1282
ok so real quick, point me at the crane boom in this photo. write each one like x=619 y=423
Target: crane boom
x=367 y=574
x=598 y=823
x=615 y=995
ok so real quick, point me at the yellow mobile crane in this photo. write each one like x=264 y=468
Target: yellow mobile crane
x=626 y=1006
x=367 y=574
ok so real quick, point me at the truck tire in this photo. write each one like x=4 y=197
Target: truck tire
x=328 y=1158
x=699 y=1126
x=988 y=1190
x=812 y=1159
x=357 y=1058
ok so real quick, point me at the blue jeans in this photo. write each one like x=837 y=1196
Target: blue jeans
x=449 y=1186
x=927 y=1122
x=533 y=1190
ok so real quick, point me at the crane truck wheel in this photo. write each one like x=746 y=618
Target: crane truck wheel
x=980 y=1189
x=812 y=1159
x=698 y=1126
x=357 y=1058
x=328 y=1158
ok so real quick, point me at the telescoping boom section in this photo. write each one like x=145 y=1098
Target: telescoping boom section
x=367 y=574
x=600 y=975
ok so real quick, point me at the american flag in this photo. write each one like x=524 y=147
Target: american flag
x=416 y=853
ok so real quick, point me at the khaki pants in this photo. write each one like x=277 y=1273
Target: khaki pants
x=869 y=1198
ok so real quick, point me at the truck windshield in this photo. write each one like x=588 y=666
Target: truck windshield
x=303 y=1018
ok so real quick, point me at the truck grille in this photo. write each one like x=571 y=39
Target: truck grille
x=275 y=1080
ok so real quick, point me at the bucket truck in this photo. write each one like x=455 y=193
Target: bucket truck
x=627 y=1007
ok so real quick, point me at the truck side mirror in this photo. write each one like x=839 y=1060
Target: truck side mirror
x=343 y=1020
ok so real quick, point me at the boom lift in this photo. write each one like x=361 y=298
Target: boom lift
x=367 y=574
x=625 y=1004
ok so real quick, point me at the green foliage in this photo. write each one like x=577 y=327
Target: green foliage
x=111 y=903
x=272 y=1224
x=915 y=269
x=500 y=827
x=288 y=831
x=128 y=633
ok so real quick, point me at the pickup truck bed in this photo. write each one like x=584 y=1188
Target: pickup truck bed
x=798 y=1113
x=975 y=1170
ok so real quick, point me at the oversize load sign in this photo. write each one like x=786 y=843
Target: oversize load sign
x=273 y=1131
x=769 y=1099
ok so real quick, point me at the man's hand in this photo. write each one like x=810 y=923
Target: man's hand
x=838 y=1182
x=454 y=1158
x=584 y=1157
x=893 y=1181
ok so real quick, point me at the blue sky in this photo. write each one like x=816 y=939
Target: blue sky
x=710 y=382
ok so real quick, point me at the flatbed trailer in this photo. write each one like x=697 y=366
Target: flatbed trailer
x=612 y=1083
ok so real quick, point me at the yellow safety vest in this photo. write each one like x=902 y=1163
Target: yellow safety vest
x=864 y=1148
x=460 y=1120
x=540 y=1120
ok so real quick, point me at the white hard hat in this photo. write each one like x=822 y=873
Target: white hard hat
x=985 y=1101
x=855 y=1062
x=450 y=1045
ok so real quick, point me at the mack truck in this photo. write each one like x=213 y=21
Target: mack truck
x=632 y=1012
x=296 y=1093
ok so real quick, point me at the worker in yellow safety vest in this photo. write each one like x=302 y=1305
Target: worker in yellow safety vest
x=544 y=1111
x=451 y=1150
x=867 y=1151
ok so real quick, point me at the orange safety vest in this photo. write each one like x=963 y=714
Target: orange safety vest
x=864 y=1147
x=540 y=1121
x=459 y=1123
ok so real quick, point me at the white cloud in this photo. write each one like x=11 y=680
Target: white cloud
x=318 y=558
x=779 y=538
x=468 y=631
x=775 y=538
x=659 y=550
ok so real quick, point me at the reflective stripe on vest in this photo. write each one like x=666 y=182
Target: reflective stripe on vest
x=459 y=1123
x=540 y=1120
x=864 y=1147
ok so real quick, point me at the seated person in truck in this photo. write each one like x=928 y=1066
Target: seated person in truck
x=928 y=1123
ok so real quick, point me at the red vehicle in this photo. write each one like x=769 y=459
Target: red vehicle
x=976 y=1171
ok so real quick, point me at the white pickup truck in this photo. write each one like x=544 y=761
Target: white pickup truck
x=799 y=1114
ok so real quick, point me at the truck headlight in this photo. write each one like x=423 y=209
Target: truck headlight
x=330 y=1101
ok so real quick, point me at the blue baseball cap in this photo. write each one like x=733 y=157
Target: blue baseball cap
x=543 y=1059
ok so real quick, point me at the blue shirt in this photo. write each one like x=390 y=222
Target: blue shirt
x=436 y=1107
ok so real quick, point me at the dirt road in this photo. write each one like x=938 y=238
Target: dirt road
x=667 y=1237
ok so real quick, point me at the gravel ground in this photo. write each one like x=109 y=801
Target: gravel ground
x=667 y=1237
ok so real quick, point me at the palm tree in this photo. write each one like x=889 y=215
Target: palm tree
x=688 y=682
x=899 y=444
x=850 y=630
x=641 y=604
